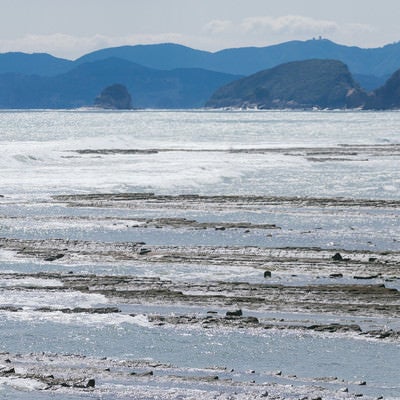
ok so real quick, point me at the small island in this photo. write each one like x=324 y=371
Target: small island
x=114 y=97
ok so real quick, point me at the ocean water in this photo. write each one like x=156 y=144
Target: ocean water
x=279 y=153
x=39 y=153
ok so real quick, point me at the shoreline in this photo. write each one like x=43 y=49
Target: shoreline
x=289 y=293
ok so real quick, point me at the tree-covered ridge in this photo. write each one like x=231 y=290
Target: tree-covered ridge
x=386 y=97
x=174 y=76
x=300 y=84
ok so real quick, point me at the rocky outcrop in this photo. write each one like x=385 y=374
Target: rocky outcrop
x=114 y=97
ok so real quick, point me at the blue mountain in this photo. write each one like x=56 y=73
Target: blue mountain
x=171 y=75
x=150 y=88
x=33 y=64
x=370 y=66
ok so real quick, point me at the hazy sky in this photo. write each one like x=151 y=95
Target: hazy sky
x=70 y=28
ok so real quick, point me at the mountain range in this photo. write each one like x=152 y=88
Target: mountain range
x=372 y=66
x=150 y=88
x=170 y=75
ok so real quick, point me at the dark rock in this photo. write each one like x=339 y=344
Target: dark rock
x=99 y=310
x=77 y=310
x=7 y=371
x=385 y=334
x=372 y=259
x=236 y=313
x=220 y=228
x=336 y=275
x=267 y=274
x=53 y=258
x=337 y=257
x=91 y=383
x=366 y=277
x=11 y=308
x=333 y=328
x=143 y=250
x=142 y=374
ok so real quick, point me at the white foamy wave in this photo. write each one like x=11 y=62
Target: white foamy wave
x=141 y=320
x=8 y=256
x=42 y=298
x=39 y=153
x=23 y=384
x=30 y=282
x=74 y=318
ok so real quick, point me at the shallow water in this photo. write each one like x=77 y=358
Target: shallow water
x=304 y=355
x=314 y=154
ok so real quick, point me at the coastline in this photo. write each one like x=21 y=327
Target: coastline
x=298 y=292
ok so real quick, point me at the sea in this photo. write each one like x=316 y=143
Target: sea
x=278 y=154
x=196 y=152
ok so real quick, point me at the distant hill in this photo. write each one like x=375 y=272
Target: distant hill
x=166 y=56
x=175 y=76
x=298 y=85
x=150 y=88
x=387 y=96
x=41 y=64
x=370 y=82
x=373 y=66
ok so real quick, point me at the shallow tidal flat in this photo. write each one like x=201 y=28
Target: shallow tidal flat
x=140 y=295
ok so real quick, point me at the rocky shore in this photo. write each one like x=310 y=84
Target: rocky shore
x=87 y=377
x=322 y=292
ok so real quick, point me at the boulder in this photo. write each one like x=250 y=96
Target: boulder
x=236 y=313
x=54 y=258
x=337 y=257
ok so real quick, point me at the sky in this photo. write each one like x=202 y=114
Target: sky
x=71 y=28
